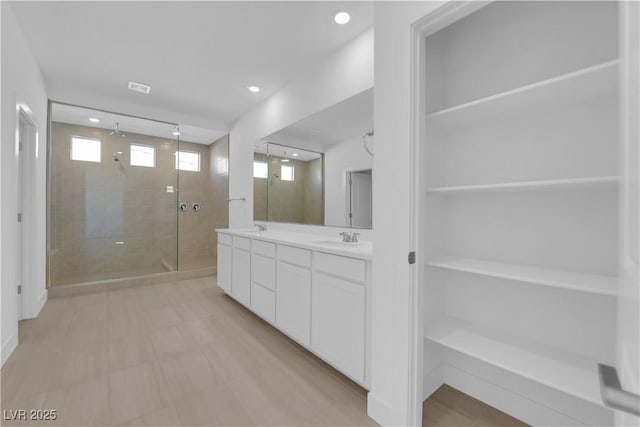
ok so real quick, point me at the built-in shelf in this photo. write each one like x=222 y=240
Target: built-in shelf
x=561 y=370
x=591 y=283
x=576 y=87
x=559 y=184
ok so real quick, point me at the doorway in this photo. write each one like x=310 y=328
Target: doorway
x=359 y=199
x=26 y=143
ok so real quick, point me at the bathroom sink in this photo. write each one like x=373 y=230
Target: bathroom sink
x=335 y=243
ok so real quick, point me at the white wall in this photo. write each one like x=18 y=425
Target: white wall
x=342 y=75
x=22 y=83
x=346 y=156
x=392 y=234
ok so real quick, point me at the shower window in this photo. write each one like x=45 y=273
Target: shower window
x=260 y=169
x=287 y=173
x=85 y=149
x=142 y=155
x=188 y=161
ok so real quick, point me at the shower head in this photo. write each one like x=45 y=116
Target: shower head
x=117 y=131
x=116 y=158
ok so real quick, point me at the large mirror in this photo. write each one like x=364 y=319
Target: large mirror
x=318 y=170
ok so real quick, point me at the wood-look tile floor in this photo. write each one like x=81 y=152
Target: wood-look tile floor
x=180 y=354
x=170 y=354
x=448 y=407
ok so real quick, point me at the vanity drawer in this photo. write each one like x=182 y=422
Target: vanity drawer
x=263 y=270
x=295 y=256
x=263 y=302
x=242 y=243
x=225 y=239
x=340 y=266
x=264 y=248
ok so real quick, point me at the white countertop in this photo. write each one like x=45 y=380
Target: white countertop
x=328 y=244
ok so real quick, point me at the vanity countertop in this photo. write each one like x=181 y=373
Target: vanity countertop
x=328 y=244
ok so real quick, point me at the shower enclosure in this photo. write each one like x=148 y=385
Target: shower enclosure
x=114 y=204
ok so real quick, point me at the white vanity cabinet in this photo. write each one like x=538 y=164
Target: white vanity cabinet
x=241 y=273
x=263 y=280
x=293 y=293
x=225 y=243
x=316 y=293
x=338 y=313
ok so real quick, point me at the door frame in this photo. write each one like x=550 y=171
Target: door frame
x=628 y=315
x=29 y=304
x=347 y=192
x=438 y=19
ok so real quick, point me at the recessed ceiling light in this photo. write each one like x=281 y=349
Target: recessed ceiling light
x=139 y=87
x=342 y=17
x=294 y=154
x=285 y=160
x=254 y=89
x=94 y=120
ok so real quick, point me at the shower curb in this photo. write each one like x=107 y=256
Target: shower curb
x=128 y=282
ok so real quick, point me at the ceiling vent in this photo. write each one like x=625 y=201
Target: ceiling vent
x=140 y=87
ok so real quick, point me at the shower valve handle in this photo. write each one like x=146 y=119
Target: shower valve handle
x=183 y=207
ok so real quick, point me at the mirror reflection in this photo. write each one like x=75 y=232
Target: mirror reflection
x=319 y=170
x=287 y=185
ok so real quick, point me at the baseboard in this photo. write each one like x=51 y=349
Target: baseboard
x=379 y=410
x=514 y=401
x=42 y=300
x=8 y=347
x=432 y=381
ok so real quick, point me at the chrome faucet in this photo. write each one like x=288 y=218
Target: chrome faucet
x=349 y=237
x=262 y=227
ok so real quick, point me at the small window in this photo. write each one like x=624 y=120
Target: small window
x=142 y=155
x=85 y=149
x=260 y=170
x=287 y=172
x=188 y=161
x=222 y=166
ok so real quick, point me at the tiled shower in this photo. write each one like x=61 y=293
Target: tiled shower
x=114 y=200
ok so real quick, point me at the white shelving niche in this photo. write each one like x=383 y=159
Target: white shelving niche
x=521 y=206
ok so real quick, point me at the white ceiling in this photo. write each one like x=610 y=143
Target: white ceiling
x=80 y=116
x=198 y=57
x=347 y=119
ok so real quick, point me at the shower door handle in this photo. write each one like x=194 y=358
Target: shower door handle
x=612 y=393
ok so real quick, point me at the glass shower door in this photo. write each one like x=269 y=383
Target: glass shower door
x=113 y=196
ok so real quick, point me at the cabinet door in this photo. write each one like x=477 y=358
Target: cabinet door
x=224 y=267
x=263 y=271
x=338 y=324
x=293 y=301
x=241 y=276
x=263 y=302
x=263 y=285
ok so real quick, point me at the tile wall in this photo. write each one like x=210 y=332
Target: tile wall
x=111 y=219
